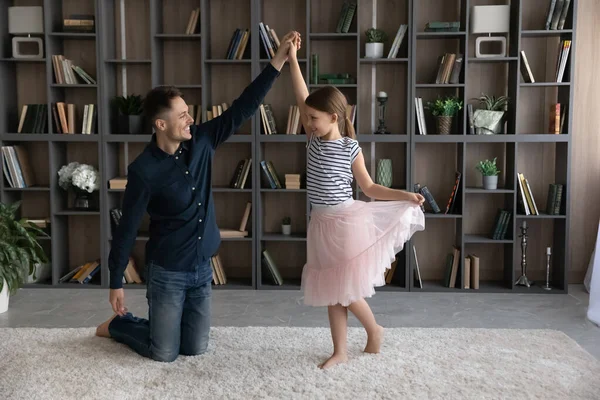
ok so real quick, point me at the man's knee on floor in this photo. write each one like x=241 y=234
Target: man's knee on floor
x=194 y=350
x=164 y=356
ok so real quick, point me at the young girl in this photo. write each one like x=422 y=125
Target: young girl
x=350 y=243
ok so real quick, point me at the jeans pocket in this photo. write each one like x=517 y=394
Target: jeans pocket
x=164 y=280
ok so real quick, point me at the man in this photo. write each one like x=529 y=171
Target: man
x=171 y=180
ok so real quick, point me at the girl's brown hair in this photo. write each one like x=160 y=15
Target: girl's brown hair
x=331 y=100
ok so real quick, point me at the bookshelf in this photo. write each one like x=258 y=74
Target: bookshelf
x=155 y=51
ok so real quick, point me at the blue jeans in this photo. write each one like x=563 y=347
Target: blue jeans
x=179 y=309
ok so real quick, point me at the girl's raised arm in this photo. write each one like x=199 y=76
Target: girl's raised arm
x=299 y=85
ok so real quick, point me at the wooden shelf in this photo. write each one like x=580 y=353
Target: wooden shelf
x=155 y=45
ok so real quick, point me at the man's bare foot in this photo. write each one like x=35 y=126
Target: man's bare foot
x=102 y=329
x=374 y=341
x=335 y=359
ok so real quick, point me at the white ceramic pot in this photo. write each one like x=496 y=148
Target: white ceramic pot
x=4 y=297
x=373 y=50
x=286 y=229
x=42 y=273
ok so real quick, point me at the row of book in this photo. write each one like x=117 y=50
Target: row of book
x=33 y=118
x=452 y=277
x=82 y=274
x=525 y=200
x=65 y=72
x=219 y=276
x=420 y=114
x=557 y=14
x=393 y=52
x=17 y=167
x=554 y=199
x=238 y=48
x=452 y=206
x=501 y=224
x=193 y=25
x=212 y=111
x=450 y=65
x=294 y=125
x=268 y=125
x=116 y=214
x=270 y=269
x=346 y=16
x=564 y=48
x=269 y=39
x=561 y=61
x=271 y=174
x=557 y=118
x=240 y=180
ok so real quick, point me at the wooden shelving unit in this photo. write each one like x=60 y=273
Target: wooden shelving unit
x=156 y=51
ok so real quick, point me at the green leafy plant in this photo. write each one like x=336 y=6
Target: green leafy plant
x=286 y=221
x=493 y=103
x=375 y=35
x=129 y=105
x=447 y=106
x=487 y=167
x=19 y=248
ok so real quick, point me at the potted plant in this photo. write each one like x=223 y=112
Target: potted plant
x=20 y=251
x=489 y=119
x=489 y=173
x=374 y=45
x=444 y=109
x=83 y=180
x=286 y=226
x=130 y=118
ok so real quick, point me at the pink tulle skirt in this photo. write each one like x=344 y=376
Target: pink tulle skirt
x=351 y=245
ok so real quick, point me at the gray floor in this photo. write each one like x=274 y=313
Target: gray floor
x=53 y=308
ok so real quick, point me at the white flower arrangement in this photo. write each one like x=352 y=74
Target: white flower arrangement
x=80 y=177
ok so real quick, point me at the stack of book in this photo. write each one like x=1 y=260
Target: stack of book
x=292 y=181
x=442 y=26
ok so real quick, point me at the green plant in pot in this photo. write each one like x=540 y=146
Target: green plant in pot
x=489 y=172
x=130 y=118
x=374 y=45
x=286 y=226
x=20 y=251
x=488 y=120
x=444 y=110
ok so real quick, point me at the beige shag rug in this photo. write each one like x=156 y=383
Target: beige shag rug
x=281 y=363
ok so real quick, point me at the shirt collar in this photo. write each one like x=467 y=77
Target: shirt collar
x=160 y=153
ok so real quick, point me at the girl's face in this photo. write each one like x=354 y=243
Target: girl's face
x=320 y=122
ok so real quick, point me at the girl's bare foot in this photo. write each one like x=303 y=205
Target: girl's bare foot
x=374 y=341
x=102 y=329
x=334 y=360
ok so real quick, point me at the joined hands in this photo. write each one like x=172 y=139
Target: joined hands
x=288 y=47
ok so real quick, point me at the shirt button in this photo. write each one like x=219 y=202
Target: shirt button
x=187 y=172
x=193 y=188
x=199 y=204
x=200 y=220
x=177 y=158
x=199 y=237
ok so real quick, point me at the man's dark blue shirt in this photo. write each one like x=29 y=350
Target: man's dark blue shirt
x=175 y=190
